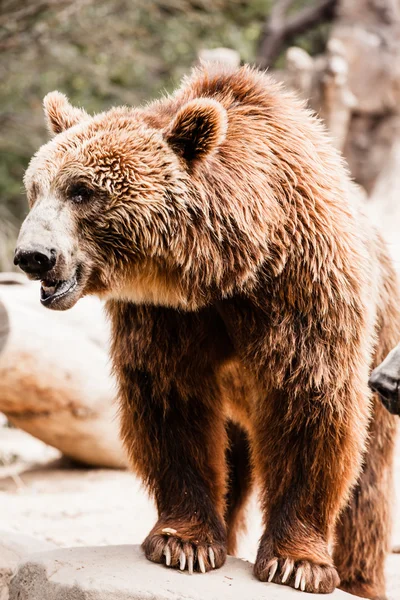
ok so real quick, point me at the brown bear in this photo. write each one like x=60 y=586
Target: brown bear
x=249 y=298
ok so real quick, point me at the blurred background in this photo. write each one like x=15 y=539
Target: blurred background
x=341 y=56
x=101 y=53
x=346 y=63
x=106 y=52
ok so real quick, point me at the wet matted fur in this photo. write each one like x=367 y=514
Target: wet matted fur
x=249 y=298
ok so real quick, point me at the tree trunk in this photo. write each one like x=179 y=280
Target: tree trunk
x=355 y=88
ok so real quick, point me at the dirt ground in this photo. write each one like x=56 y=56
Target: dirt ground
x=47 y=497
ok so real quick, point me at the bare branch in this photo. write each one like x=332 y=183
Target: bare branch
x=17 y=13
x=280 y=29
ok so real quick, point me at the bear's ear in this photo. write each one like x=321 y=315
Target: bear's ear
x=60 y=114
x=198 y=129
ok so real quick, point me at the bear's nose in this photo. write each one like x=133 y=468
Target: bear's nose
x=35 y=261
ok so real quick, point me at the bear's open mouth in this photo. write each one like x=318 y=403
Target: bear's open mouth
x=52 y=290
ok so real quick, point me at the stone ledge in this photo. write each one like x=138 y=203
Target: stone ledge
x=14 y=547
x=123 y=573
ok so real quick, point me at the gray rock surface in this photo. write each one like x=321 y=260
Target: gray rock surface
x=123 y=573
x=80 y=507
x=393 y=576
x=13 y=548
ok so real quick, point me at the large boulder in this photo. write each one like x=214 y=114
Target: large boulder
x=384 y=206
x=55 y=379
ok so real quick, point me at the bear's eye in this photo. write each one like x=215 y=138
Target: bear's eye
x=80 y=193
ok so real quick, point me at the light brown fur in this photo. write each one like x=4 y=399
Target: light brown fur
x=243 y=284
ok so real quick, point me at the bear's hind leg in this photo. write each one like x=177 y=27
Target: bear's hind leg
x=308 y=454
x=240 y=481
x=363 y=530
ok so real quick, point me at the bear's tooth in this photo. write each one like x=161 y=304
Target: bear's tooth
x=49 y=289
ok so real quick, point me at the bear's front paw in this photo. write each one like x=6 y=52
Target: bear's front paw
x=303 y=575
x=176 y=548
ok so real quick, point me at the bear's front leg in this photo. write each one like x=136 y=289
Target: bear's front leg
x=307 y=452
x=173 y=427
x=178 y=446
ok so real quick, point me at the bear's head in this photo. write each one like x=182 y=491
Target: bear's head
x=109 y=200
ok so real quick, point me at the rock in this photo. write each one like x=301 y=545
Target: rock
x=13 y=548
x=396 y=511
x=55 y=380
x=76 y=506
x=393 y=576
x=20 y=451
x=123 y=573
x=223 y=56
x=92 y=507
x=384 y=206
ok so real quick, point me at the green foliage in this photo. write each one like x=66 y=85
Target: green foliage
x=102 y=53
x=105 y=53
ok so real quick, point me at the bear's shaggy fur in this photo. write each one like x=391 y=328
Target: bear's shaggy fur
x=249 y=298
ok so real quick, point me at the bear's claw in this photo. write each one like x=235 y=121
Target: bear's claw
x=272 y=570
x=201 y=563
x=184 y=555
x=300 y=581
x=190 y=565
x=211 y=555
x=167 y=553
x=302 y=575
x=288 y=566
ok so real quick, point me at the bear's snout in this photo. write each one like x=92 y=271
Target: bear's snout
x=47 y=249
x=35 y=260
